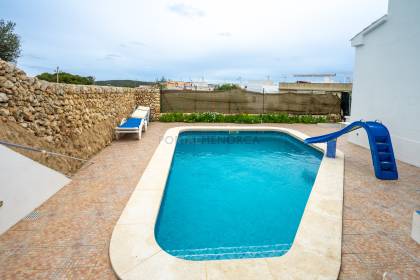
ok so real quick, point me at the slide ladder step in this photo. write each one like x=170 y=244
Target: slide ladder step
x=385 y=156
x=387 y=165
x=381 y=139
x=382 y=147
x=391 y=175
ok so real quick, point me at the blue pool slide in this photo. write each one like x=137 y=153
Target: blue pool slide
x=380 y=146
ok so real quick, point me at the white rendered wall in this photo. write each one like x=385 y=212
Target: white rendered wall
x=387 y=80
x=24 y=185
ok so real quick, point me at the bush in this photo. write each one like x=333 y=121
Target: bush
x=226 y=87
x=67 y=78
x=209 y=117
x=124 y=83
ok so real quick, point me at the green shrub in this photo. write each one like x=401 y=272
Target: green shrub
x=124 y=83
x=226 y=87
x=67 y=78
x=210 y=117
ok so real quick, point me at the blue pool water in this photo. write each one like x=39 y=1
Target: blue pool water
x=235 y=195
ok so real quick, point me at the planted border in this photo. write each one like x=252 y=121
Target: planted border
x=210 y=117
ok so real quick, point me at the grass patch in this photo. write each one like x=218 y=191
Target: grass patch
x=209 y=117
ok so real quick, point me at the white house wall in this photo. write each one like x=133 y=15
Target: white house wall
x=387 y=80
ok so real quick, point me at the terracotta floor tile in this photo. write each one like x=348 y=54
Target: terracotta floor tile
x=26 y=274
x=77 y=273
x=70 y=240
x=351 y=265
x=353 y=226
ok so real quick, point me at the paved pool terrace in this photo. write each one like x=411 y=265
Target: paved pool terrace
x=69 y=235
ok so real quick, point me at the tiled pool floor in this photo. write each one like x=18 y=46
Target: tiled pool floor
x=69 y=237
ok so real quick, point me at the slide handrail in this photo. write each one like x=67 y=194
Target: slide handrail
x=332 y=136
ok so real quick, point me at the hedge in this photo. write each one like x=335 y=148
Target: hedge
x=209 y=117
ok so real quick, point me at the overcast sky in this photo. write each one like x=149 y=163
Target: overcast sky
x=214 y=39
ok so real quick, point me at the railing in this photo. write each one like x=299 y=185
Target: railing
x=39 y=150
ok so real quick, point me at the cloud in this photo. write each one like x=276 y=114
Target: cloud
x=224 y=34
x=132 y=44
x=186 y=38
x=111 y=56
x=137 y=43
x=37 y=68
x=32 y=56
x=186 y=10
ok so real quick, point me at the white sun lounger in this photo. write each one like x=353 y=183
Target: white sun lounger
x=142 y=112
x=130 y=126
x=137 y=122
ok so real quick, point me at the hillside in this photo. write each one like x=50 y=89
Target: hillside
x=123 y=83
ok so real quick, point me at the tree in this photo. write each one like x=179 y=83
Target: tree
x=67 y=78
x=9 y=41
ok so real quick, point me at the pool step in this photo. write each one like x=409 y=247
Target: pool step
x=241 y=252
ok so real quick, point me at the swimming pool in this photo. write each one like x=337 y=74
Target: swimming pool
x=316 y=250
x=235 y=194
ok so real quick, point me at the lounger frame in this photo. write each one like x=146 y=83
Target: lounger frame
x=131 y=130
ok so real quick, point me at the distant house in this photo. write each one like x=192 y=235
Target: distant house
x=263 y=86
x=386 y=83
x=202 y=86
x=178 y=85
x=317 y=88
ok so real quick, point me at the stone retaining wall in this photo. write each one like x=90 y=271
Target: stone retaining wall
x=77 y=120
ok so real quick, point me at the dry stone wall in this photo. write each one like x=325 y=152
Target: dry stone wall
x=74 y=119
